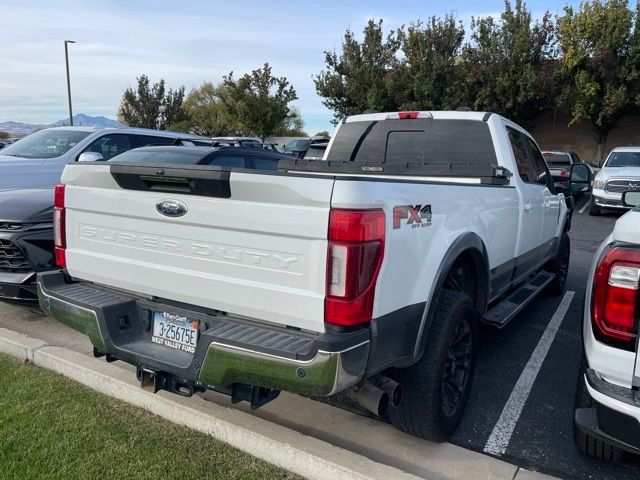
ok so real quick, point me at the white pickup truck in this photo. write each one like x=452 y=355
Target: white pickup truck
x=367 y=272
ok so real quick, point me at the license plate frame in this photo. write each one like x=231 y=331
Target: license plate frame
x=175 y=331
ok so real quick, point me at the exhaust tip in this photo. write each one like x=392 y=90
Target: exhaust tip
x=371 y=398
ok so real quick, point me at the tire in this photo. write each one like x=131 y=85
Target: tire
x=594 y=210
x=588 y=445
x=429 y=409
x=559 y=266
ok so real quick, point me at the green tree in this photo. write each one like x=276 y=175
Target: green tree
x=206 y=114
x=323 y=133
x=599 y=44
x=258 y=101
x=427 y=77
x=3 y=135
x=292 y=125
x=358 y=78
x=151 y=106
x=508 y=64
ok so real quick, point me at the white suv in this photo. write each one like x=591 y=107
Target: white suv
x=620 y=173
x=607 y=413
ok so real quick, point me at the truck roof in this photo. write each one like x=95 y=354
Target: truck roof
x=627 y=149
x=438 y=114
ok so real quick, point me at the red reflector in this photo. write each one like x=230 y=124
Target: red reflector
x=61 y=257
x=354 y=257
x=58 y=196
x=615 y=297
x=563 y=172
x=408 y=115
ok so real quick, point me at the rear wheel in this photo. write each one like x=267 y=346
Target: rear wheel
x=588 y=445
x=436 y=388
x=594 y=210
x=559 y=266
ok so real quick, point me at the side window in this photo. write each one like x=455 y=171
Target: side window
x=539 y=165
x=265 y=163
x=109 y=145
x=228 y=161
x=519 y=147
x=144 y=140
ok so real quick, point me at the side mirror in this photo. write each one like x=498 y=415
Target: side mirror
x=90 y=157
x=631 y=199
x=579 y=178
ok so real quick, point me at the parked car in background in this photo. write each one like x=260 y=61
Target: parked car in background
x=298 y=148
x=316 y=151
x=28 y=171
x=619 y=173
x=607 y=416
x=273 y=147
x=237 y=141
x=366 y=274
x=236 y=157
x=559 y=163
x=26 y=240
x=37 y=161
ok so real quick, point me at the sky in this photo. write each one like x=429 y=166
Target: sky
x=186 y=43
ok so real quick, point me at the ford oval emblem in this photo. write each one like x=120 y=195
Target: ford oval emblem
x=171 y=208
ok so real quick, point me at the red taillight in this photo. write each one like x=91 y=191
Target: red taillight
x=59 y=235
x=615 y=297
x=563 y=172
x=354 y=257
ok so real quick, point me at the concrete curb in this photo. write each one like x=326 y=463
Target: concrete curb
x=302 y=454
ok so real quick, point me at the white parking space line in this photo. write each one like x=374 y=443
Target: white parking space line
x=584 y=208
x=503 y=430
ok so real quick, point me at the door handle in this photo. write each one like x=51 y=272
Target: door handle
x=528 y=206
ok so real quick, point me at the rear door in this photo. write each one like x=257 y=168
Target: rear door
x=248 y=244
x=531 y=218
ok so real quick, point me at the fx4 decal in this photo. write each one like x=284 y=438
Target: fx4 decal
x=417 y=216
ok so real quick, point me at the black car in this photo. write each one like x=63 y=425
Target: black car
x=26 y=241
x=237 y=157
x=26 y=230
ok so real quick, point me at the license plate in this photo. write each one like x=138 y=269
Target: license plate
x=174 y=331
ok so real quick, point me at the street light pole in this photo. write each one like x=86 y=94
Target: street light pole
x=66 y=59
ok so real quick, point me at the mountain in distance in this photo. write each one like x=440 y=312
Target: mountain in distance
x=88 y=121
x=19 y=129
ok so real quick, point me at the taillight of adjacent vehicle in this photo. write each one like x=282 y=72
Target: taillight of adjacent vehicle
x=59 y=234
x=354 y=257
x=614 y=309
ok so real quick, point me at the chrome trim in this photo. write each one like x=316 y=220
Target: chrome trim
x=634 y=184
x=79 y=318
x=325 y=374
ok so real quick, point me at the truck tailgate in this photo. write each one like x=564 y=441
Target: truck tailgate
x=261 y=253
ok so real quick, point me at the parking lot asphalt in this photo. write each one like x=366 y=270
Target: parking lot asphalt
x=542 y=438
x=525 y=380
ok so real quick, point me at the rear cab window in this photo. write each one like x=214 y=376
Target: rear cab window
x=557 y=159
x=429 y=141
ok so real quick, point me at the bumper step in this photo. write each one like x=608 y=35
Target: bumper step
x=230 y=351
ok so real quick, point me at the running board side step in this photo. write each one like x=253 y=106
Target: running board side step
x=504 y=311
